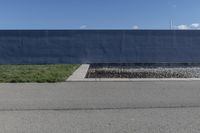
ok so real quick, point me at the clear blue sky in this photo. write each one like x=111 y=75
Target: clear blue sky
x=97 y=14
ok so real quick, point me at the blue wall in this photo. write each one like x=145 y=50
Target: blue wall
x=99 y=46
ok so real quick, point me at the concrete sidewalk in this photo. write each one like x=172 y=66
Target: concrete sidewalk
x=80 y=73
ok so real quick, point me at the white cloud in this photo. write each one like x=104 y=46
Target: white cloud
x=183 y=27
x=188 y=27
x=135 y=27
x=83 y=26
x=195 y=25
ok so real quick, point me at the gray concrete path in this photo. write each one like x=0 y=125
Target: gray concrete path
x=99 y=95
x=80 y=73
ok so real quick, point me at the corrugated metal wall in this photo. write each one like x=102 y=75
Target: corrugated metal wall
x=99 y=46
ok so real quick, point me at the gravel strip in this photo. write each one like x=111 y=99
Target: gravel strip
x=144 y=71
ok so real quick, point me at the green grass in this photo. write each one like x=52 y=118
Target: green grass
x=35 y=73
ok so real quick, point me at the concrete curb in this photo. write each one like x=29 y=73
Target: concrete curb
x=131 y=80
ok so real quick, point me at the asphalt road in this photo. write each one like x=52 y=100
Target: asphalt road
x=102 y=121
x=100 y=95
x=101 y=107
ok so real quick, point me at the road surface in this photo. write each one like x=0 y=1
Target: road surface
x=99 y=95
x=101 y=107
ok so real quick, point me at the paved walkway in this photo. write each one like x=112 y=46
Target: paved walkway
x=80 y=73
